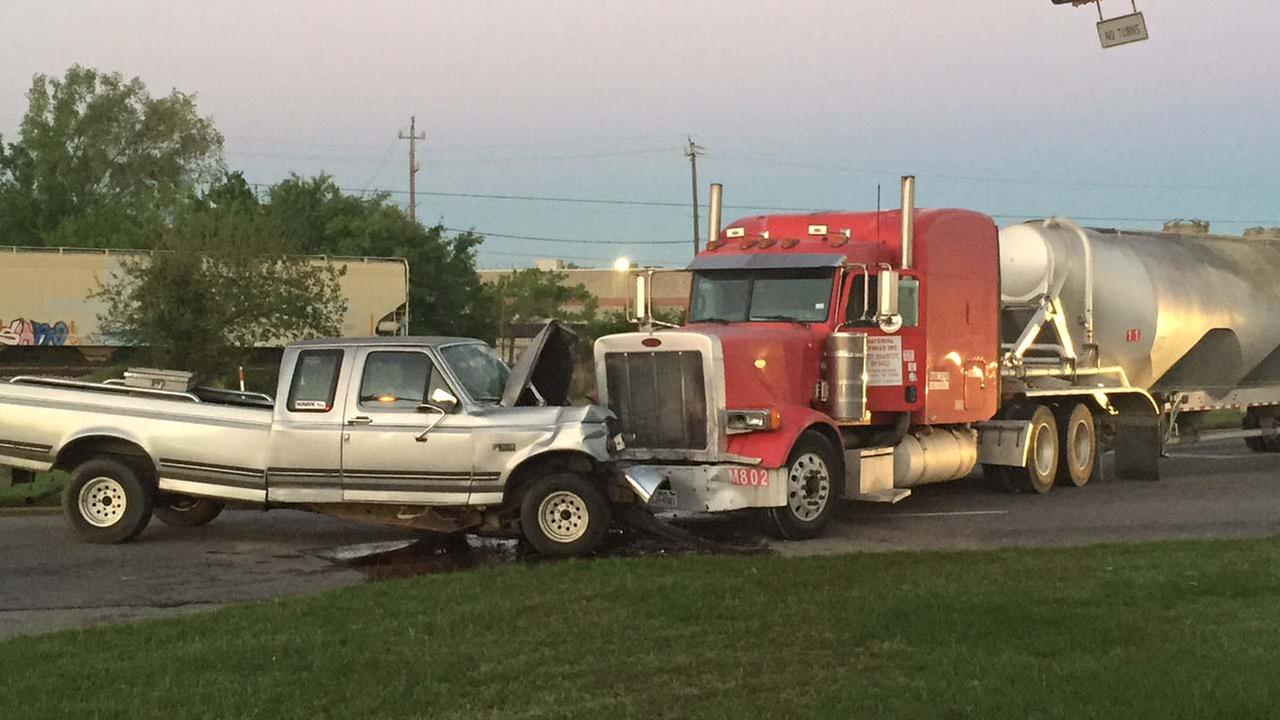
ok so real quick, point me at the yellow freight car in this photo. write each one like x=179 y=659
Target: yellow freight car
x=44 y=296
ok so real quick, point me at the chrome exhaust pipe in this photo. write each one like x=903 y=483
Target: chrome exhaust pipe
x=713 y=222
x=908 y=220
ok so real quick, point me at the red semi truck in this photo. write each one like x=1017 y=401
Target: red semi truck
x=858 y=355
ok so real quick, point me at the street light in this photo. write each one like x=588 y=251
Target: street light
x=622 y=264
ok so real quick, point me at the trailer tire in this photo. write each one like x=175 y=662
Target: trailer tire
x=1045 y=453
x=1077 y=445
x=187 y=511
x=812 y=477
x=106 y=501
x=564 y=515
x=1262 y=443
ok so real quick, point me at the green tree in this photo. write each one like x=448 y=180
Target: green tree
x=446 y=296
x=533 y=295
x=100 y=162
x=221 y=283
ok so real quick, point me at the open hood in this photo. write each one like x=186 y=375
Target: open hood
x=545 y=370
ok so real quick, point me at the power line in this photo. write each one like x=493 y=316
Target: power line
x=773 y=208
x=537 y=238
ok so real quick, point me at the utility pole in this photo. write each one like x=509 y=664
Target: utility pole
x=413 y=137
x=692 y=153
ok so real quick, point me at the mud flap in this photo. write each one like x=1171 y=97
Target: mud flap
x=1138 y=447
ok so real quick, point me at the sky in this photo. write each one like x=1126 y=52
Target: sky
x=1009 y=108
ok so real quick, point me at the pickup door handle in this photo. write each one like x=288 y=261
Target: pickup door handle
x=360 y=420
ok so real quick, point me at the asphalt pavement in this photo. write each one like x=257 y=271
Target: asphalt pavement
x=50 y=580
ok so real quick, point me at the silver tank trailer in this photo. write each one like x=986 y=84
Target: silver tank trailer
x=1175 y=311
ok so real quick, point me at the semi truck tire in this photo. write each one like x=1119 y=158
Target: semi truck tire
x=187 y=511
x=1078 y=445
x=564 y=515
x=1254 y=420
x=1044 y=456
x=812 y=476
x=106 y=502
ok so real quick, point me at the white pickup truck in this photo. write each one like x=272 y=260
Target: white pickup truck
x=426 y=433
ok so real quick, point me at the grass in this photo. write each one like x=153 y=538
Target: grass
x=42 y=492
x=1188 y=629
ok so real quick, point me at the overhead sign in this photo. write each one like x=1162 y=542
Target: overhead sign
x=1122 y=30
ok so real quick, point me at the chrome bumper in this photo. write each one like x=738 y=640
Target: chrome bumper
x=706 y=488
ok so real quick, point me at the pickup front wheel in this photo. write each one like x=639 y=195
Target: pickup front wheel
x=564 y=515
x=106 y=502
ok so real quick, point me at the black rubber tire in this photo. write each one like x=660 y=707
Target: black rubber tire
x=581 y=502
x=1261 y=443
x=187 y=511
x=138 y=501
x=1040 y=471
x=783 y=522
x=1076 y=429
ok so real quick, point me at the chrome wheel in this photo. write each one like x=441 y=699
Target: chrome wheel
x=1045 y=450
x=563 y=516
x=808 y=486
x=102 y=502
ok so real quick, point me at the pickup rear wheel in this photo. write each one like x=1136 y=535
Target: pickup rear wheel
x=187 y=511
x=564 y=515
x=106 y=502
x=812 y=474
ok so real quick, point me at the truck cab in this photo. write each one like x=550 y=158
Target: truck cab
x=825 y=355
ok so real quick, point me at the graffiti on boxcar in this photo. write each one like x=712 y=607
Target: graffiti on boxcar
x=21 y=331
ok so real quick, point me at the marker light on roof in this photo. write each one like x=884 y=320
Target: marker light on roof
x=735 y=232
x=817 y=229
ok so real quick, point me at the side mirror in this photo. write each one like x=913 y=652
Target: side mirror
x=887 y=315
x=442 y=400
x=640 y=298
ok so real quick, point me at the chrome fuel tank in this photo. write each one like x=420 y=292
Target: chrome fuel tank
x=1176 y=311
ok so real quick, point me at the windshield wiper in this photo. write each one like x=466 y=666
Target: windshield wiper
x=721 y=320
x=783 y=318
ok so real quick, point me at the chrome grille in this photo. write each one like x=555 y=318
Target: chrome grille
x=660 y=398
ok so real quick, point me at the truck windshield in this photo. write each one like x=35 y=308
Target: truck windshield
x=478 y=369
x=795 y=294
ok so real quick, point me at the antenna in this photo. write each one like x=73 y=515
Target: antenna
x=877 y=212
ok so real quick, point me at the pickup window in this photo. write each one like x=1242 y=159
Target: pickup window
x=315 y=381
x=398 y=381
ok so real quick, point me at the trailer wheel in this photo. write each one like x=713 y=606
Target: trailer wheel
x=106 y=502
x=564 y=515
x=1078 y=442
x=1042 y=460
x=187 y=511
x=812 y=477
x=1262 y=443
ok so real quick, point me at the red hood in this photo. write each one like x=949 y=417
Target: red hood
x=768 y=364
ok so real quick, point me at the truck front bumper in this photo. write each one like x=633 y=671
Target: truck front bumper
x=706 y=488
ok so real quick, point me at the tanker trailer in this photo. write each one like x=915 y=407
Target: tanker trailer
x=1188 y=319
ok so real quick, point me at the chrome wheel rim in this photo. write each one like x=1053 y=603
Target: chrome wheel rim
x=808 y=486
x=1046 y=448
x=563 y=516
x=1083 y=445
x=102 y=502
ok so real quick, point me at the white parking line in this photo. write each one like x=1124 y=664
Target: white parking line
x=957 y=512
x=1207 y=456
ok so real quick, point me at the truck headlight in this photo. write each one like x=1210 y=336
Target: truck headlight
x=741 y=421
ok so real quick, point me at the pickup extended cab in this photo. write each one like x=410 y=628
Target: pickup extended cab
x=428 y=433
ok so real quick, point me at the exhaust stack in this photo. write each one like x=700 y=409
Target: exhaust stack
x=908 y=220
x=713 y=222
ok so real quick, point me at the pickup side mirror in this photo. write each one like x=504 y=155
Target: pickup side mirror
x=440 y=399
